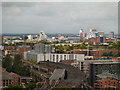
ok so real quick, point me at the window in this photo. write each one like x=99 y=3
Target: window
x=6 y=81
x=114 y=83
x=108 y=82
x=75 y=56
x=60 y=57
x=3 y=84
x=3 y=81
x=57 y=58
x=9 y=82
x=18 y=80
x=53 y=58
x=64 y=57
x=50 y=57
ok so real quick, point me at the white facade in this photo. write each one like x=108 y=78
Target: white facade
x=52 y=57
x=91 y=34
x=30 y=37
x=43 y=36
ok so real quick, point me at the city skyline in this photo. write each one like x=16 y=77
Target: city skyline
x=59 y=17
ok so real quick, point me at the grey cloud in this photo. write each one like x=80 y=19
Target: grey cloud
x=59 y=17
x=18 y=4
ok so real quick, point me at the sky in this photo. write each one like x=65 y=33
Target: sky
x=59 y=17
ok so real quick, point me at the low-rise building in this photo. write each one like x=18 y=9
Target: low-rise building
x=108 y=81
x=98 y=68
x=57 y=76
x=95 y=53
x=9 y=78
x=84 y=65
x=22 y=49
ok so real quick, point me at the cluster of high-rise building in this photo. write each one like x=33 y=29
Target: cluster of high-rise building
x=95 y=37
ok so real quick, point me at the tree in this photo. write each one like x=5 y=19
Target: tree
x=17 y=59
x=21 y=70
x=24 y=71
x=110 y=54
x=14 y=87
x=31 y=86
x=16 y=63
x=62 y=88
x=105 y=54
x=7 y=63
x=90 y=48
x=118 y=55
x=39 y=85
x=16 y=66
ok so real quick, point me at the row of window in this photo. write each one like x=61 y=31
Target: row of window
x=61 y=57
x=110 y=82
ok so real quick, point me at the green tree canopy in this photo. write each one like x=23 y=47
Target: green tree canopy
x=7 y=62
x=14 y=87
x=31 y=86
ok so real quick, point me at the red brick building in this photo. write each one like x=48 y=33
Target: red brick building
x=95 y=53
x=9 y=78
x=22 y=49
x=110 y=40
x=114 y=51
x=116 y=58
x=108 y=81
x=15 y=50
x=10 y=48
x=97 y=40
x=81 y=37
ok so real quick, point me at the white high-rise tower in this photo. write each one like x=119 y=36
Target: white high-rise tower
x=81 y=31
x=42 y=36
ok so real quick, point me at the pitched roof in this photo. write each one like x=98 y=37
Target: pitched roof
x=8 y=77
x=105 y=75
x=58 y=73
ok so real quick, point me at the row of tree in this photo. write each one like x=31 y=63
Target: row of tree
x=14 y=65
x=110 y=54
x=60 y=48
x=28 y=86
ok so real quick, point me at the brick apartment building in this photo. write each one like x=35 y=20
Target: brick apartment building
x=114 y=51
x=108 y=81
x=22 y=49
x=95 y=53
x=99 y=68
x=116 y=58
x=9 y=78
x=15 y=50
x=9 y=47
x=9 y=50
x=110 y=40
x=99 y=40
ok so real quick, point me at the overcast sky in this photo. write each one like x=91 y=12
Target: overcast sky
x=59 y=17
